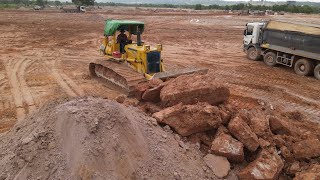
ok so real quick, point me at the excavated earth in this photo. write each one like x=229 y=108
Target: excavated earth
x=95 y=138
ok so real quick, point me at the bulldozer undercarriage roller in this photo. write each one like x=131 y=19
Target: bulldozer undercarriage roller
x=116 y=73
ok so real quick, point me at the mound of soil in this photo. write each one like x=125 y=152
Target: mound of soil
x=94 y=138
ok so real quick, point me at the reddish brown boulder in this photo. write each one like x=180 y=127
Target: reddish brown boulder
x=153 y=94
x=268 y=165
x=227 y=146
x=313 y=172
x=190 y=119
x=280 y=126
x=142 y=87
x=306 y=149
x=190 y=89
x=298 y=129
x=241 y=130
x=259 y=124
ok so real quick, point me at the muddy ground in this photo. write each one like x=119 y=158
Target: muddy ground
x=44 y=55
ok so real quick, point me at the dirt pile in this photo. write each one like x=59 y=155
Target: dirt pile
x=267 y=143
x=94 y=138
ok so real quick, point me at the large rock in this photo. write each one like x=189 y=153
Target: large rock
x=259 y=124
x=313 y=173
x=190 y=119
x=219 y=165
x=280 y=126
x=190 y=89
x=268 y=165
x=225 y=145
x=139 y=89
x=298 y=129
x=153 y=94
x=241 y=130
x=306 y=149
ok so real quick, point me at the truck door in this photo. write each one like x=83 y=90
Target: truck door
x=248 y=35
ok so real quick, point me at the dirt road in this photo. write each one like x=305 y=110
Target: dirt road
x=45 y=55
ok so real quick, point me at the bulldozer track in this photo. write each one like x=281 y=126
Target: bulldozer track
x=67 y=84
x=21 y=93
x=118 y=74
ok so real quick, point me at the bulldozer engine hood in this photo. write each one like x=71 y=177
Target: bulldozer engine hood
x=112 y=26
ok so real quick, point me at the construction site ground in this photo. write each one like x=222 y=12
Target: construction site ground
x=44 y=55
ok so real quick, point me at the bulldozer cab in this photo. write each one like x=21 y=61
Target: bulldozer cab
x=112 y=29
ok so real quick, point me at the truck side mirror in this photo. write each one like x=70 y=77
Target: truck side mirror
x=245 y=32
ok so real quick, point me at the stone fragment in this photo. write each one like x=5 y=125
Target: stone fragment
x=268 y=165
x=241 y=130
x=225 y=145
x=219 y=165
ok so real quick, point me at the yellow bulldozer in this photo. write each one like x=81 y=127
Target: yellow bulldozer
x=127 y=62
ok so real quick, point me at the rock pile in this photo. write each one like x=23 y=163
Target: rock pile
x=268 y=144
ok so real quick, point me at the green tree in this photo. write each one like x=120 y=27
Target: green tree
x=40 y=2
x=57 y=3
x=83 y=2
x=198 y=7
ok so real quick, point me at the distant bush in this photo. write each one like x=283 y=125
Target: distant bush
x=7 y=6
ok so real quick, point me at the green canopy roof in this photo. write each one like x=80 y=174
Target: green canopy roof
x=112 y=26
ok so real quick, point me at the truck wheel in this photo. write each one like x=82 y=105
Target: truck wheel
x=303 y=67
x=270 y=59
x=317 y=72
x=253 y=54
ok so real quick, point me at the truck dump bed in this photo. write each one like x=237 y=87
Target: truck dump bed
x=298 y=38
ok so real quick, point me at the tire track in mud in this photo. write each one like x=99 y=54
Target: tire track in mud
x=288 y=105
x=21 y=93
x=68 y=85
x=26 y=92
x=291 y=103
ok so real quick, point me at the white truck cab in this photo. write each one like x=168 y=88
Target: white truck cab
x=82 y=9
x=252 y=32
x=251 y=38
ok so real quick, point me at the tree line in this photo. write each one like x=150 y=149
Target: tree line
x=242 y=6
x=277 y=8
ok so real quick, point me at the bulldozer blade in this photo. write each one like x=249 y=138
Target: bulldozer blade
x=178 y=72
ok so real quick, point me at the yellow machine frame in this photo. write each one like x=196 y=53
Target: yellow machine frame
x=135 y=56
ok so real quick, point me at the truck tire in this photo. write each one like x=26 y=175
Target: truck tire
x=270 y=59
x=317 y=72
x=304 y=67
x=253 y=54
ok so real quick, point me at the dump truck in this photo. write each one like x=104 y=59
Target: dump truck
x=291 y=44
x=128 y=63
x=77 y=9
